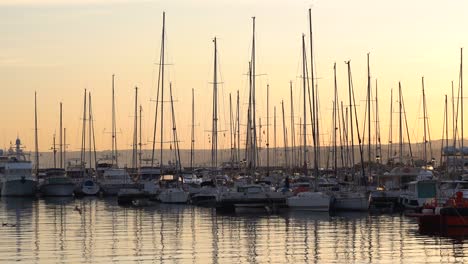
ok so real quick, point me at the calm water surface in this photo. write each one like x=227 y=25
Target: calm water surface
x=53 y=231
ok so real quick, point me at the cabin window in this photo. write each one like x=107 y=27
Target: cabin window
x=426 y=190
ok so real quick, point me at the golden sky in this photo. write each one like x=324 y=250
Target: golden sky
x=58 y=48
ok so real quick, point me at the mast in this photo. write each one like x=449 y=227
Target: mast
x=275 y=156
x=461 y=105
x=285 y=137
x=335 y=113
x=254 y=109
x=90 y=120
x=140 y=143
x=268 y=130
x=378 y=144
x=83 y=136
x=238 y=128
x=61 y=140
x=424 y=118
x=314 y=112
x=93 y=134
x=351 y=119
x=114 y=127
x=54 y=150
x=304 y=127
x=390 y=131
x=174 y=133
x=231 y=130
x=400 y=123
x=293 y=132
x=64 y=146
x=135 y=132
x=161 y=161
x=36 y=141
x=214 y=130
x=369 y=116
x=192 y=141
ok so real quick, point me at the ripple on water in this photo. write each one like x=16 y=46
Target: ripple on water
x=52 y=231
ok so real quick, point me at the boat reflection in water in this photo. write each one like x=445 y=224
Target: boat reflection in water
x=99 y=231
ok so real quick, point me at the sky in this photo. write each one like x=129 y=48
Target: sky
x=58 y=48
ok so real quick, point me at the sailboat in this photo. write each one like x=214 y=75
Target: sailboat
x=111 y=178
x=310 y=200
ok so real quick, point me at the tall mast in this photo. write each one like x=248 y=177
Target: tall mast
x=135 y=132
x=293 y=131
x=61 y=140
x=254 y=109
x=285 y=137
x=174 y=133
x=390 y=131
x=161 y=161
x=424 y=118
x=114 y=127
x=401 y=123
x=83 y=135
x=36 y=141
x=268 y=130
x=351 y=119
x=214 y=130
x=140 y=153
x=369 y=116
x=275 y=156
x=192 y=141
x=335 y=113
x=378 y=144
x=461 y=105
x=304 y=86
x=314 y=113
x=238 y=128
x=90 y=120
x=446 y=125
x=64 y=147
x=92 y=137
x=231 y=130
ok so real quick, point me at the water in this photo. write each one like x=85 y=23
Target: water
x=99 y=231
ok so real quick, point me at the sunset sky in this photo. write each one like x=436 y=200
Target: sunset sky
x=60 y=47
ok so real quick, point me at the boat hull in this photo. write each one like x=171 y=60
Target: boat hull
x=90 y=187
x=113 y=189
x=19 y=188
x=312 y=202
x=173 y=196
x=350 y=203
x=63 y=189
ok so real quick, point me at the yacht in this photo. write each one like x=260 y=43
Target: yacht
x=16 y=177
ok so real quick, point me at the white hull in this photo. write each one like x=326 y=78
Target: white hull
x=310 y=201
x=57 y=189
x=173 y=195
x=20 y=187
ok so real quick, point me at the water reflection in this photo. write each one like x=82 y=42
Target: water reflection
x=99 y=231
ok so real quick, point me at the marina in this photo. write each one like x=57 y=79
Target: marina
x=153 y=131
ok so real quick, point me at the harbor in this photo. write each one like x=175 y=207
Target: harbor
x=166 y=133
